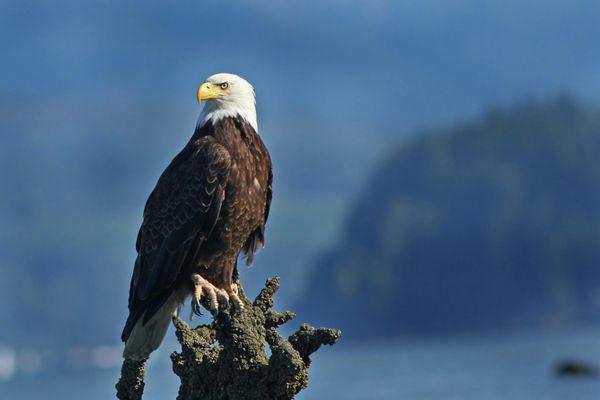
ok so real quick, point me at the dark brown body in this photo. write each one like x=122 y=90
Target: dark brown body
x=245 y=205
x=210 y=203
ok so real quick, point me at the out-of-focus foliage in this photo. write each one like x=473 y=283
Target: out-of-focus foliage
x=489 y=224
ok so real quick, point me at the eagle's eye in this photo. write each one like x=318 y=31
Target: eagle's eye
x=224 y=85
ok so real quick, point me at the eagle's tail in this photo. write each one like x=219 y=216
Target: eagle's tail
x=145 y=337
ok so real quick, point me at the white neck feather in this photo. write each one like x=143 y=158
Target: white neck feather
x=232 y=106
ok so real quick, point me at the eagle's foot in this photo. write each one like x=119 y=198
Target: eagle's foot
x=215 y=299
x=238 y=306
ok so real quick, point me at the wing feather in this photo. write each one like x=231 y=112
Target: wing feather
x=256 y=240
x=180 y=213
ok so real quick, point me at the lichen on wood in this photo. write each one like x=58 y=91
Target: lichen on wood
x=131 y=383
x=227 y=359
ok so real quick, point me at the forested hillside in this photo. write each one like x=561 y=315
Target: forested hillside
x=482 y=226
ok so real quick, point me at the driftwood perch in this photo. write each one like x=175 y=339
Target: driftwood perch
x=227 y=359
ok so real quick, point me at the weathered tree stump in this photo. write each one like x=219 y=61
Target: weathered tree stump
x=227 y=359
x=131 y=383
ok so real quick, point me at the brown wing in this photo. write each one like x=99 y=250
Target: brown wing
x=180 y=213
x=256 y=240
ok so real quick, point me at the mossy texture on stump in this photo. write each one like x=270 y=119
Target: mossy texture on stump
x=227 y=359
x=131 y=383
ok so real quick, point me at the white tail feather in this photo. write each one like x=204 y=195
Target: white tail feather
x=144 y=339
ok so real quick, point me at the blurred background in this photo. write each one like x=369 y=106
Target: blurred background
x=436 y=193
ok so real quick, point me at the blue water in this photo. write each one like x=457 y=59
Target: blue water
x=518 y=366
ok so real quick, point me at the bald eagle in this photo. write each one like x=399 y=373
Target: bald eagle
x=210 y=204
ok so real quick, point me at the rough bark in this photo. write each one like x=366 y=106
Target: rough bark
x=227 y=359
x=131 y=383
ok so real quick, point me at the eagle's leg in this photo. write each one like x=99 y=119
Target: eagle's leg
x=216 y=299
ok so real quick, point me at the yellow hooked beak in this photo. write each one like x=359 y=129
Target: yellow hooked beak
x=209 y=91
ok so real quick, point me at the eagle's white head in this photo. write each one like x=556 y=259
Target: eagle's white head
x=227 y=95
